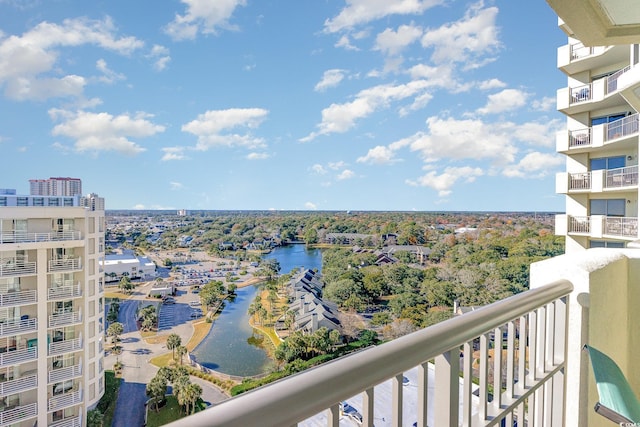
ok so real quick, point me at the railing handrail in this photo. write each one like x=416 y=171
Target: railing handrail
x=293 y=399
x=30 y=237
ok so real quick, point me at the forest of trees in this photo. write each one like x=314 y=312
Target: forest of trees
x=473 y=268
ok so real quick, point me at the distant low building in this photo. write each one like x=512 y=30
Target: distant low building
x=162 y=288
x=421 y=252
x=311 y=312
x=116 y=265
x=348 y=238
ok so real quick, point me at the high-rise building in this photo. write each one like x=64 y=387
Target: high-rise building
x=51 y=308
x=601 y=102
x=60 y=186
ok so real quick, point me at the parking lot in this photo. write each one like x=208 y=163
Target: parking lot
x=184 y=307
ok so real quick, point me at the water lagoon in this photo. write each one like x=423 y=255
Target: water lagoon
x=232 y=346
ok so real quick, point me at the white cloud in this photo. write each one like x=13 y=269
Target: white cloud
x=311 y=206
x=466 y=40
x=203 y=16
x=345 y=43
x=444 y=182
x=173 y=153
x=25 y=60
x=339 y=118
x=138 y=206
x=175 y=186
x=160 y=55
x=541 y=134
x=257 y=156
x=393 y=42
x=330 y=78
x=336 y=165
x=212 y=128
x=359 y=12
x=465 y=139
x=547 y=103
x=108 y=76
x=95 y=132
x=379 y=155
x=506 y=100
x=534 y=165
x=318 y=169
x=491 y=84
x=345 y=174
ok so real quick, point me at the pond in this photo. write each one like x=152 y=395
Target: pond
x=232 y=347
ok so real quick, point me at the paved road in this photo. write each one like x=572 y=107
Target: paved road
x=137 y=371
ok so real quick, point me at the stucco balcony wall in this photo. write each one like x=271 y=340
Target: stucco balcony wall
x=603 y=312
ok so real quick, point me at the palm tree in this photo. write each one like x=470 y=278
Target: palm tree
x=182 y=350
x=191 y=395
x=179 y=386
x=95 y=418
x=156 y=389
x=173 y=342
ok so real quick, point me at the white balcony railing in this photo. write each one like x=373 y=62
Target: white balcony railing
x=624 y=127
x=10 y=299
x=68 y=422
x=530 y=328
x=62 y=319
x=580 y=138
x=18 y=384
x=18 y=326
x=578 y=50
x=14 y=267
x=18 y=414
x=66 y=373
x=65 y=264
x=65 y=400
x=621 y=177
x=13 y=357
x=580 y=181
x=64 y=292
x=612 y=80
x=621 y=226
x=579 y=224
x=65 y=346
x=580 y=94
x=26 y=237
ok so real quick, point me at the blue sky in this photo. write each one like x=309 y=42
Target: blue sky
x=259 y=104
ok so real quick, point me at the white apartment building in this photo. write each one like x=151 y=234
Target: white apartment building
x=60 y=186
x=51 y=309
x=601 y=102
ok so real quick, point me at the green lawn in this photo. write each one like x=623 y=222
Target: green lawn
x=169 y=412
x=107 y=404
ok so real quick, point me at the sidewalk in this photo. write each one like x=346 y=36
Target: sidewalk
x=136 y=355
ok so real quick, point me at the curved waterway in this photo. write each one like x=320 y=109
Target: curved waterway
x=232 y=346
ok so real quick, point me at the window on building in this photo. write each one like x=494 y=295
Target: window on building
x=23 y=201
x=607 y=119
x=607 y=207
x=605 y=244
x=38 y=201
x=607 y=163
x=68 y=201
x=3 y=201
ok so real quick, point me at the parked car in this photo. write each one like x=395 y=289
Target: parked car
x=351 y=412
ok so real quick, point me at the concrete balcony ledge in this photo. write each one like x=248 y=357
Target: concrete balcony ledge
x=602 y=312
x=530 y=371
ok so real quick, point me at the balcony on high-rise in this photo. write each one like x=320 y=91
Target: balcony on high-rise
x=601 y=93
x=621 y=134
x=542 y=373
x=575 y=57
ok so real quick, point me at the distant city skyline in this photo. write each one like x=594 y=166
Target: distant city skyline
x=426 y=105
